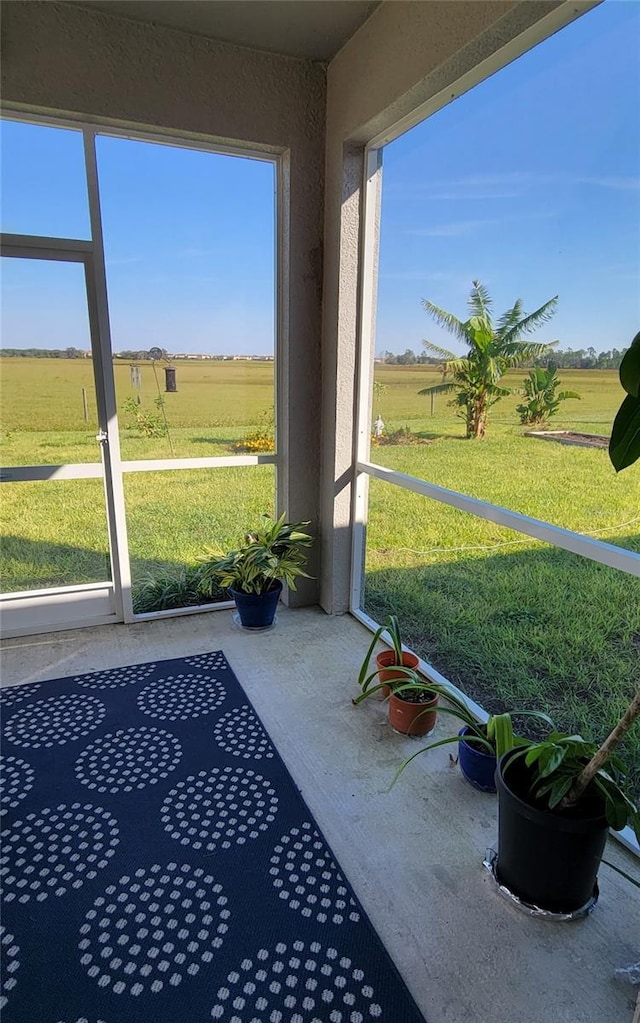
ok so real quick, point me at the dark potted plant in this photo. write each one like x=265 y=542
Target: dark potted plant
x=271 y=555
x=558 y=798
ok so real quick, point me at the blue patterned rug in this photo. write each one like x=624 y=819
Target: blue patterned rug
x=159 y=865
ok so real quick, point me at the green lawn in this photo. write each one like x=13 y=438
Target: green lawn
x=510 y=620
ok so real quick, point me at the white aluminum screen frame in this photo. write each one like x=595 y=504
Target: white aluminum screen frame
x=91 y=254
x=363 y=468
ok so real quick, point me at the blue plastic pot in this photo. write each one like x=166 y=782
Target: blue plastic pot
x=257 y=610
x=477 y=765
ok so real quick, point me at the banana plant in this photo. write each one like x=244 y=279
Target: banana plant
x=540 y=389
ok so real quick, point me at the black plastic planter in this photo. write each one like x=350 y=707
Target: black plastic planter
x=547 y=859
x=257 y=610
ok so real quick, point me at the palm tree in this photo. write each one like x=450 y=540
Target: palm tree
x=492 y=350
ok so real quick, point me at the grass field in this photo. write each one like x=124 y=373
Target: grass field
x=513 y=622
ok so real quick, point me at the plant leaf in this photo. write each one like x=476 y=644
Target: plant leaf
x=624 y=443
x=630 y=368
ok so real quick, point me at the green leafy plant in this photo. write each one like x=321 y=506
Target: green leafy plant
x=566 y=766
x=169 y=590
x=624 y=444
x=543 y=399
x=151 y=424
x=276 y=551
x=492 y=350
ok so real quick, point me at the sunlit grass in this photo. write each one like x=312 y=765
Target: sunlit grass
x=513 y=622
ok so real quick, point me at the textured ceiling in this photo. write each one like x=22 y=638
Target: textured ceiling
x=312 y=29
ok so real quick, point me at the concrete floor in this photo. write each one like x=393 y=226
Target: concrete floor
x=414 y=856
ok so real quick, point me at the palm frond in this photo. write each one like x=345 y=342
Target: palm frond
x=516 y=352
x=442 y=353
x=479 y=301
x=532 y=321
x=438 y=388
x=510 y=317
x=445 y=319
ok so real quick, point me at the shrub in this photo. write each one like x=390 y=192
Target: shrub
x=168 y=590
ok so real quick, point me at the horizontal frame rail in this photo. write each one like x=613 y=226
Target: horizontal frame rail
x=576 y=543
x=215 y=462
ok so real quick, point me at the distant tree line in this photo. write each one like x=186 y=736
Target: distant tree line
x=581 y=358
x=43 y=353
x=75 y=353
x=409 y=358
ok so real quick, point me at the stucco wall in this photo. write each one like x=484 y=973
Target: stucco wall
x=406 y=55
x=68 y=60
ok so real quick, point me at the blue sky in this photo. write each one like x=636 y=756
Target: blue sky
x=528 y=182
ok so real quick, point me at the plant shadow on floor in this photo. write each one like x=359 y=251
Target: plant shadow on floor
x=157 y=585
x=536 y=630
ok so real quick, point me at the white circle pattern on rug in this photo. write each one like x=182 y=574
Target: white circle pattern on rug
x=115 y=678
x=17 y=780
x=11 y=695
x=240 y=733
x=219 y=808
x=54 y=850
x=181 y=697
x=153 y=930
x=10 y=965
x=213 y=662
x=131 y=758
x=55 y=721
x=328 y=988
x=308 y=879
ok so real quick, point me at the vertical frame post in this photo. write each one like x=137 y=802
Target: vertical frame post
x=370 y=232
x=105 y=391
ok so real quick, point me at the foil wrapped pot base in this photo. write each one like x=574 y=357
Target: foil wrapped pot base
x=490 y=862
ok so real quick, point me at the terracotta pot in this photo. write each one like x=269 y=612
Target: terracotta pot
x=412 y=718
x=386 y=661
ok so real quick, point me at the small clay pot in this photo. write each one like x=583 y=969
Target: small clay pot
x=386 y=661
x=410 y=718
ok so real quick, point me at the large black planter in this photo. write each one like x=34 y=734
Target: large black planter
x=257 y=610
x=547 y=859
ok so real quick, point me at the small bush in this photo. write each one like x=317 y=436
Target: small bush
x=255 y=443
x=401 y=436
x=167 y=591
x=259 y=441
x=151 y=424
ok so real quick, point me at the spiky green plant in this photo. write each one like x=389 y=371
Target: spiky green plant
x=168 y=590
x=492 y=350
